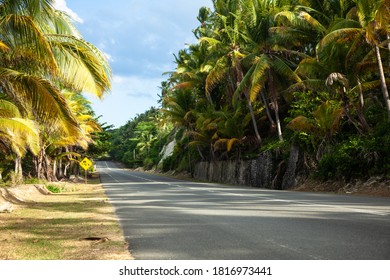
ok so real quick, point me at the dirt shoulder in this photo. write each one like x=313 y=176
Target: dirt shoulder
x=375 y=186
x=77 y=224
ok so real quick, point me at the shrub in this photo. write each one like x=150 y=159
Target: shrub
x=168 y=163
x=148 y=163
x=358 y=156
x=53 y=189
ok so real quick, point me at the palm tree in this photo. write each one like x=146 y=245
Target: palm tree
x=271 y=63
x=57 y=145
x=370 y=27
x=324 y=123
x=17 y=134
x=40 y=53
x=228 y=51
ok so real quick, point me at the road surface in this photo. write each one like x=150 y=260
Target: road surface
x=169 y=219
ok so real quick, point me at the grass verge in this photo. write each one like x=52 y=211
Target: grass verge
x=76 y=224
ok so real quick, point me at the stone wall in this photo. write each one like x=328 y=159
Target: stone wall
x=263 y=172
x=256 y=173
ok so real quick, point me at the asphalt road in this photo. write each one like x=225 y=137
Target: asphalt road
x=169 y=219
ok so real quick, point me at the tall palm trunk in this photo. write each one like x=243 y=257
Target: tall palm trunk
x=44 y=167
x=257 y=134
x=18 y=169
x=60 y=169
x=267 y=110
x=383 y=80
x=277 y=118
x=38 y=163
x=359 y=110
x=239 y=78
x=49 y=169
x=274 y=100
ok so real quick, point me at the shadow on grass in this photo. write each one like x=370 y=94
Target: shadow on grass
x=55 y=228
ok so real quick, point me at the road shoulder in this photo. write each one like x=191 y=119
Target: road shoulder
x=77 y=224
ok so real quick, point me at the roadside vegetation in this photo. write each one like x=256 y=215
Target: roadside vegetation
x=46 y=127
x=46 y=124
x=266 y=75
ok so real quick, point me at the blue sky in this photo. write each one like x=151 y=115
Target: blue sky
x=139 y=38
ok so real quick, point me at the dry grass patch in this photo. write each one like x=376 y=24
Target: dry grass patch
x=76 y=224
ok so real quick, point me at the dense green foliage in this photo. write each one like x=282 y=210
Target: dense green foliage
x=268 y=73
x=140 y=141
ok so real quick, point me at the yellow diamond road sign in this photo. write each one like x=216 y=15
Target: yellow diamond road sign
x=86 y=163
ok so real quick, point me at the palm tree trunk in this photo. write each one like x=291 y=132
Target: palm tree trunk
x=274 y=99
x=257 y=134
x=18 y=169
x=39 y=164
x=60 y=169
x=388 y=41
x=383 y=80
x=55 y=169
x=362 y=119
x=240 y=76
x=361 y=96
x=49 y=169
x=267 y=110
x=278 y=124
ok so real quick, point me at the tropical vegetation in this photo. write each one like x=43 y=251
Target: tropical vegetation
x=267 y=74
x=264 y=75
x=46 y=123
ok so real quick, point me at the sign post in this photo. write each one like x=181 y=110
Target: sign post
x=86 y=164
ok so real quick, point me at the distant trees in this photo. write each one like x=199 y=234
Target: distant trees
x=140 y=141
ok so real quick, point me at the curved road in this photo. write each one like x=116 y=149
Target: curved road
x=165 y=218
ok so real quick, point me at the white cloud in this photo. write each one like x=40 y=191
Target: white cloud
x=61 y=5
x=139 y=87
x=151 y=41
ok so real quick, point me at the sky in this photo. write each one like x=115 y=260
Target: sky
x=139 y=38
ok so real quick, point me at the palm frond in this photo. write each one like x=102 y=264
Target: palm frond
x=283 y=69
x=308 y=84
x=8 y=110
x=18 y=31
x=83 y=67
x=301 y=124
x=45 y=100
x=23 y=134
x=217 y=74
x=339 y=36
x=244 y=84
x=263 y=64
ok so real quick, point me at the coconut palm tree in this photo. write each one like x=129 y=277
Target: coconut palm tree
x=369 y=27
x=17 y=134
x=271 y=63
x=40 y=54
x=227 y=49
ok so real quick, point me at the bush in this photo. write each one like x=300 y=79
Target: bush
x=169 y=164
x=54 y=189
x=358 y=157
x=148 y=163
